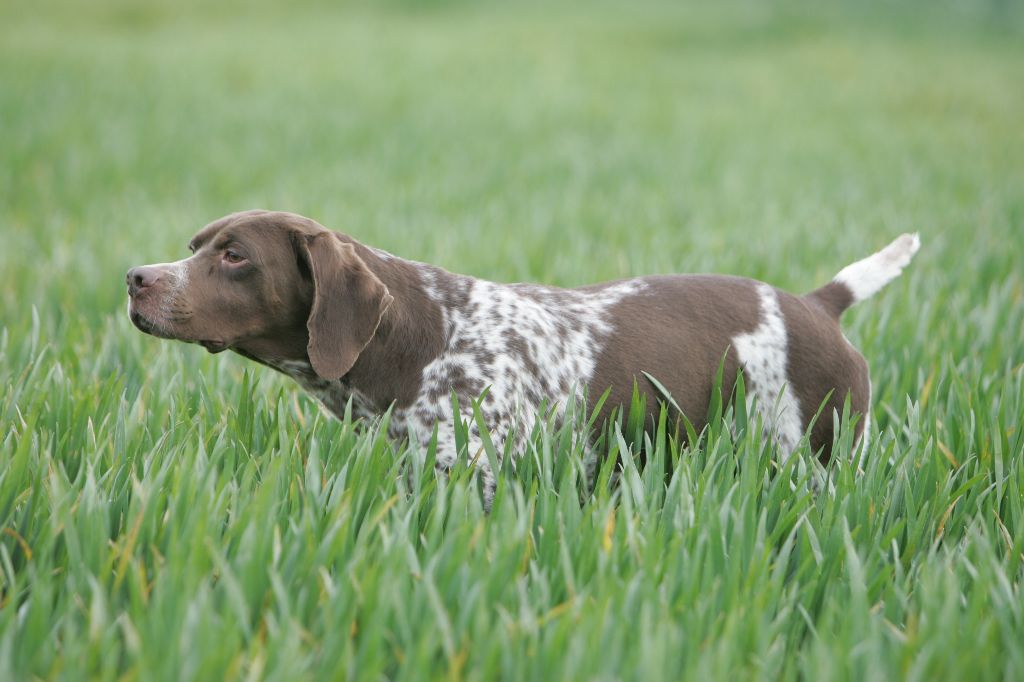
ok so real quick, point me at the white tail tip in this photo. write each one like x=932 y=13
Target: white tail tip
x=866 y=277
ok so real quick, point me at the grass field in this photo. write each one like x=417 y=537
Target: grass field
x=169 y=515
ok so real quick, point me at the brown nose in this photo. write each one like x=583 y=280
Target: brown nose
x=141 y=278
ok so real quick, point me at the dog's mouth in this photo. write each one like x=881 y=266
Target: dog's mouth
x=213 y=346
x=147 y=326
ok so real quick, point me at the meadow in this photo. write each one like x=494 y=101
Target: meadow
x=170 y=515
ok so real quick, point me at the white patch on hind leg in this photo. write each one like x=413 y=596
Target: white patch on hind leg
x=860 y=449
x=763 y=356
x=865 y=434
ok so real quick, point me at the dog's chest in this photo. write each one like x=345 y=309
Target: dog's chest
x=333 y=395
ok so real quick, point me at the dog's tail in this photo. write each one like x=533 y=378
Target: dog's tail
x=866 y=277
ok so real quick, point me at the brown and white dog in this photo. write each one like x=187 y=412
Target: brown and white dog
x=352 y=323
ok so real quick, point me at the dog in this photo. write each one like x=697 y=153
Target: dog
x=357 y=325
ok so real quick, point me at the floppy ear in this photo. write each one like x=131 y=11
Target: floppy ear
x=348 y=303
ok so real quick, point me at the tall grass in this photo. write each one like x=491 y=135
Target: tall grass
x=165 y=514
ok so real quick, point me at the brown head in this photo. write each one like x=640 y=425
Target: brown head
x=271 y=286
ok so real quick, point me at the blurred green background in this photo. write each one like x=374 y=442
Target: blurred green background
x=564 y=143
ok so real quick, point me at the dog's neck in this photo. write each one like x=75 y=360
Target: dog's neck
x=411 y=334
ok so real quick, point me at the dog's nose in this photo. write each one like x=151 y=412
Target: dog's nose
x=141 y=278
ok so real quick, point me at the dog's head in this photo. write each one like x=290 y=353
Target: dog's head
x=272 y=286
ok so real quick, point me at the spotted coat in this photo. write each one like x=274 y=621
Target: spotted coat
x=357 y=325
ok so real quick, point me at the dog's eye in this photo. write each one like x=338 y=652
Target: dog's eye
x=233 y=257
x=191 y=247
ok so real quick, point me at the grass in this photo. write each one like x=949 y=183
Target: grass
x=169 y=515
